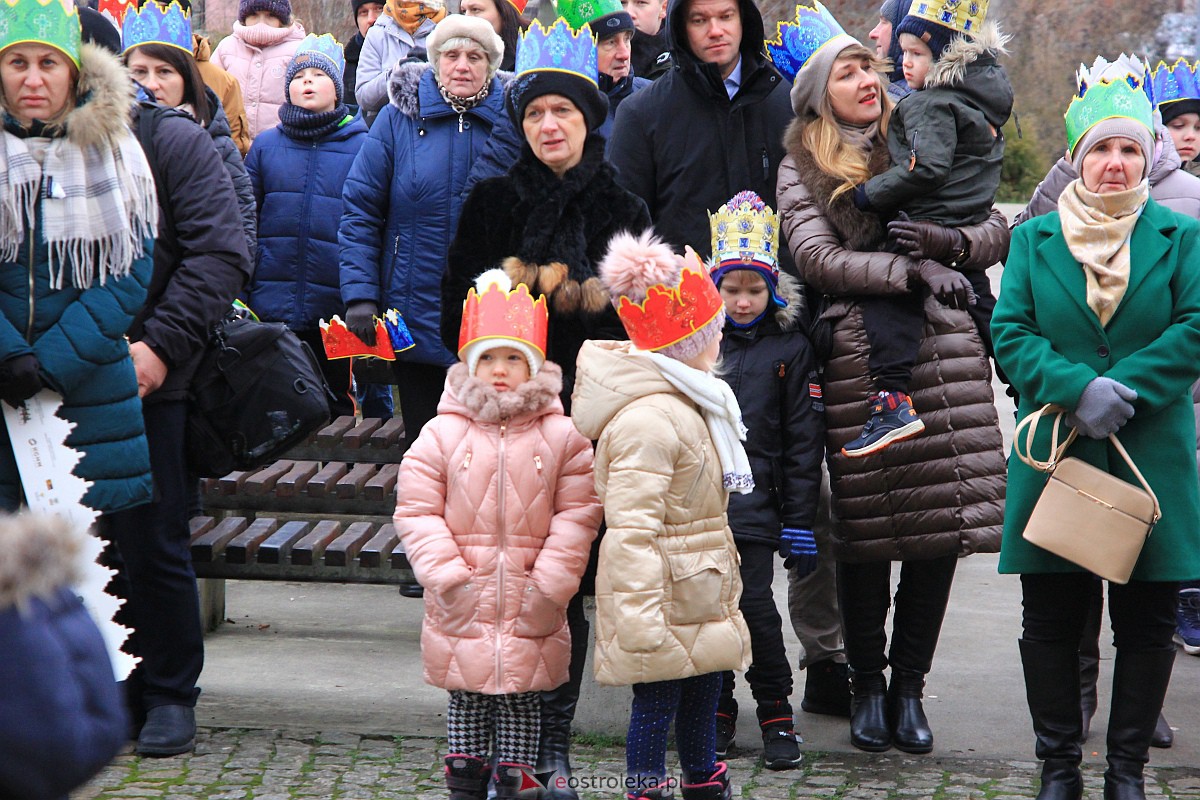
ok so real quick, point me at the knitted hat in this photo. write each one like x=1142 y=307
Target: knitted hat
x=557 y=60
x=477 y=29
x=745 y=235
x=1172 y=110
x=666 y=302
x=323 y=52
x=888 y=9
x=53 y=22
x=605 y=17
x=1107 y=129
x=496 y=315
x=280 y=9
x=355 y=5
x=938 y=22
x=98 y=30
x=938 y=37
x=894 y=11
x=804 y=50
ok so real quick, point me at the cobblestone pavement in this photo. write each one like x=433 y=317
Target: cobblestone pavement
x=238 y=764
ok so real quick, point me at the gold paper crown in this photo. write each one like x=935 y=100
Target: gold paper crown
x=964 y=16
x=745 y=230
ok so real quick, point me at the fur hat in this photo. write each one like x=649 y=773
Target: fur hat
x=460 y=26
x=280 y=9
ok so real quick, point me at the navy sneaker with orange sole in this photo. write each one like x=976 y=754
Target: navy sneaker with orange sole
x=892 y=420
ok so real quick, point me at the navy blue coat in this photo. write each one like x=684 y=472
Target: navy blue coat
x=298 y=188
x=403 y=200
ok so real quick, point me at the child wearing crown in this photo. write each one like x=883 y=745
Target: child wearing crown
x=947 y=148
x=497 y=511
x=668 y=451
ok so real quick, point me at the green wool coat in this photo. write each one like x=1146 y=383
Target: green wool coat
x=1051 y=344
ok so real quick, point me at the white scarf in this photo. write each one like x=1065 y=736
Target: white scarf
x=722 y=415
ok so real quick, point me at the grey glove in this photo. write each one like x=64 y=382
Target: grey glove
x=950 y=287
x=1103 y=408
x=360 y=319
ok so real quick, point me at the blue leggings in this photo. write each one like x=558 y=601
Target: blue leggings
x=692 y=703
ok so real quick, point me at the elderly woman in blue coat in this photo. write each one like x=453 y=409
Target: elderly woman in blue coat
x=1099 y=312
x=404 y=194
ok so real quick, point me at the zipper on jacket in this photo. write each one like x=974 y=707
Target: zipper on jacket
x=460 y=123
x=537 y=464
x=32 y=299
x=912 y=154
x=766 y=165
x=467 y=460
x=502 y=556
x=396 y=245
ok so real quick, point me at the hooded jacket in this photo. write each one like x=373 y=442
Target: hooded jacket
x=261 y=71
x=685 y=148
x=773 y=371
x=403 y=198
x=497 y=512
x=668 y=583
x=227 y=88
x=352 y=53
x=76 y=334
x=385 y=46
x=942 y=492
x=651 y=56
x=945 y=140
x=231 y=157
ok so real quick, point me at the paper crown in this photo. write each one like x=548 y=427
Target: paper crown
x=391 y=337
x=115 y=10
x=558 y=48
x=52 y=22
x=745 y=231
x=578 y=13
x=519 y=5
x=152 y=24
x=796 y=42
x=964 y=16
x=1173 y=82
x=324 y=45
x=497 y=312
x=670 y=314
x=1123 y=67
x=1124 y=97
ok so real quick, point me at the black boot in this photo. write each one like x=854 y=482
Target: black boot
x=1140 y=682
x=1089 y=661
x=827 y=688
x=510 y=778
x=467 y=777
x=868 y=716
x=169 y=731
x=709 y=787
x=1163 y=735
x=727 y=714
x=554 y=746
x=905 y=714
x=781 y=749
x=1052 y=690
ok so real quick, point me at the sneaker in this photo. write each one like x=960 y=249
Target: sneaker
x=1187 y=621
x=780 y=743
x=726 y=731
x=892 y=420
x=827 y=688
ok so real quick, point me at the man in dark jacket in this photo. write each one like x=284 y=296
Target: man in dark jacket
x=710 y=128
x=365 y=14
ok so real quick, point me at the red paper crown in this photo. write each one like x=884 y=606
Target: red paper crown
x=519 y=5
x=497 y=314
x=341 y=343
x=671 y=314
x=115 y=10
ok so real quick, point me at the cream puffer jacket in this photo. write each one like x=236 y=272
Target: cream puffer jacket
x=668 y=584
x=497 y=511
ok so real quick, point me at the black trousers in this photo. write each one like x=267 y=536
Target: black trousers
x=864 y=595
x=1055 y=609
x=336 y=372
x=420 y=388
x=770 y=674
x=152 y=555
x=894 y=325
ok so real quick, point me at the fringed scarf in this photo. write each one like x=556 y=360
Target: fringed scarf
x=410 y=15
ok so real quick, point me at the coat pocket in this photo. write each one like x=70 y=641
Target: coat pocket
x=539 y=616
x=458 y=611
x=698 y=586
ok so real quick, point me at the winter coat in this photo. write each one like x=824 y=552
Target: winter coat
x=384 y=47
x=945 y=140
x=77 y=334
x=222 y=138
x=261 y=69
x=200 y=259
x=227 y=88
x=402 y=201
x=668 y=583
x=350 y=74
x=685 y=148
x=298 y=185
x=942 y=492
x=63 y=717
x=773 y=371
x=1051 y=345
x=651 y=57
x=1170 y=185
x=497 y=512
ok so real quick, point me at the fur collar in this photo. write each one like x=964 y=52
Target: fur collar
x=105 y=95
x=404 y=86
x=535 y=397
x=951 y=68
x=858 y=230
x=789 y=290
x=38 y=555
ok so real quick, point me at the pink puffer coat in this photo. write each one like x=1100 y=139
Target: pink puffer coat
x=497 y=511
x=258 y=56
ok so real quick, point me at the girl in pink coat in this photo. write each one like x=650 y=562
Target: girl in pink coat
x=257 y=53
x=497 y=511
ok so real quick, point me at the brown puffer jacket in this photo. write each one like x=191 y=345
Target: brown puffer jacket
x=942 y=492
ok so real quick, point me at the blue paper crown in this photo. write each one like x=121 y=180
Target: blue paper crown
x=151 y=24
x=1176 y=81
x=796 y=42
x=324 y=45
x=558 y=49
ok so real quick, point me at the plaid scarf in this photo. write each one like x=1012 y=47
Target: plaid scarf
x=97 y=205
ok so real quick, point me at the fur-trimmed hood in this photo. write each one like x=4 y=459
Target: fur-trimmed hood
x=404 y=87
x=467 y=395
x=38 y=555
x=951 y=68
x=789 y=291
x=105 y=95
x=969 y=67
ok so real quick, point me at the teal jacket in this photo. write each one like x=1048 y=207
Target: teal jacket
x=1051 y=345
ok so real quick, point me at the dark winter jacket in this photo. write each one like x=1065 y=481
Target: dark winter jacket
x=63 y=717
x=550 y=234
x=773 y=371
x=77 y=334
x=222 y=137
x=942 y=492
x=350 y=74
x=945 y=140
x=651 y=57
x=200 y=260
x=298 y=187
x=402 y=202
x=685 y=148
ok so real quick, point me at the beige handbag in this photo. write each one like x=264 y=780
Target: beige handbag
x=1085 y=515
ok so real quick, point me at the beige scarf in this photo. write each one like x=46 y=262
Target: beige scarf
x=1097 y=228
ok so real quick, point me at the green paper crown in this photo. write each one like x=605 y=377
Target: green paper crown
x=1106 y=100
x=577 y=13
x=52 y=22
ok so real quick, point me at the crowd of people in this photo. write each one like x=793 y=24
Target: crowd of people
x=685 y=299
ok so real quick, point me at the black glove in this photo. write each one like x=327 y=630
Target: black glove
x=928 y=240
x=950 y=287
x=1104 y=407
x=360 y=319
x=20 y=379
x=799 y=551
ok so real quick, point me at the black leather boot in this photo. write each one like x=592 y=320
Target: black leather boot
x=169 y=731
x=1089 y=661
x=558 y=708
x=467 y=777
x=827 y=688
x=905 y=714
x=868 y=712
x=1052 y=690
x=510 y=778
x=1140 y=682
